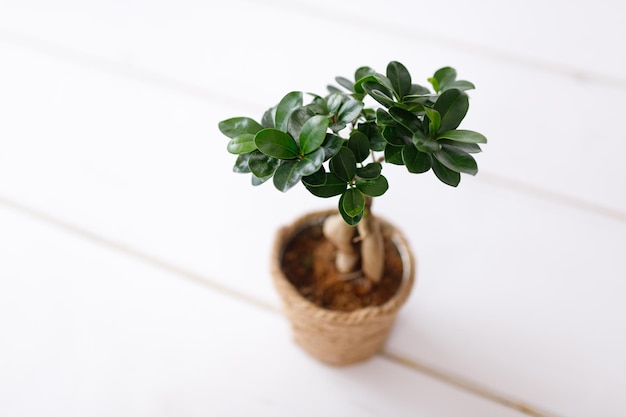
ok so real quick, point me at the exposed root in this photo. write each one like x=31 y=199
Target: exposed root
x=372 y=248
x=340 y=235
x=370 y=241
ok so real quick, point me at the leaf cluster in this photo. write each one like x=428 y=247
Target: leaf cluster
x=334 y=144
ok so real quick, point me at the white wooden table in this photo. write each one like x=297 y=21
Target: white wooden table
x=134 y=265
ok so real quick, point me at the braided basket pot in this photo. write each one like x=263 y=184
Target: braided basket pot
x=338 y=337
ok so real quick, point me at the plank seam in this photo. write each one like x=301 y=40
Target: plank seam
x=198 y=279
x=161 y=81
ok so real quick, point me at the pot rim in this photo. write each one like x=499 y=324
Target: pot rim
x=295 y=300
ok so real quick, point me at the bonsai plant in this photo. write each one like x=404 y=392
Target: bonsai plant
x=335 y=145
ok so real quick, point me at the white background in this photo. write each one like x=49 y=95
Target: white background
x=134 y=264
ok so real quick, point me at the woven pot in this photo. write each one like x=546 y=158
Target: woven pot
x=338 y=337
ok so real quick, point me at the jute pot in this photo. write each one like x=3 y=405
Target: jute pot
x=338 y=337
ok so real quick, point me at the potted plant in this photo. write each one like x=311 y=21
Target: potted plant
x=344 y=273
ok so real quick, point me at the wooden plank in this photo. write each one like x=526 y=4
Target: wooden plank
x=192 y=49
x=577 y=39
x=521 y=294
x=136 y=165
x=87 y=330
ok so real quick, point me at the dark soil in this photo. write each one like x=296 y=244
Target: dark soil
x=309 y=264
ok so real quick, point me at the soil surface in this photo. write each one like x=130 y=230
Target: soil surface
x=309 y=264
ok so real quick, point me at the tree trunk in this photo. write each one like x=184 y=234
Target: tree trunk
x=342 y=237
x=369 y=239
x=372 y=248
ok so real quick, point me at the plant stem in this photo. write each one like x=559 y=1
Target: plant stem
x=368 y=204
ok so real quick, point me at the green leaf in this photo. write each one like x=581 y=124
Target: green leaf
x=297 y=119
x=241 y=144
x=332 y=143
x=268 y=118
x=400 y=79
x=256 y=181
x=345 y=83
x=369 y=114
x=370 y=171
x=359 y=144
x=445 y=175
x=333 y=102
x=343 y=164
x=311 y=162
x=386 y=82
x=238 y=126
x=384 y=119
x=316 y=179
x=466 y=136
x=358 y=86
x=397 y=135
x=277 y=144
x=467 y=147
x=332 y=186
x=416 y=162
x=337 y=127
x=262 y=165
x=349 y=111
x=412 y=106
x=363 y=72
x=377 y=142
x=452 y=105
x=333 y=90
x=444 y=76
x=425 y=144
x=352 y=221
x=434 y=120
x=241 y=164
x=457 y=160
x=313 y=133
x=376 y=81
x=319 y=105
x=419 y=90
x=461 y=85
x=393 y=154
x=353 y=202
x=378 y=93
x=287 y=105
x=287 y=175
x=374 y=187
x=334 y=183
x=434 y=82
x=415 y=100
x=405 y=118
